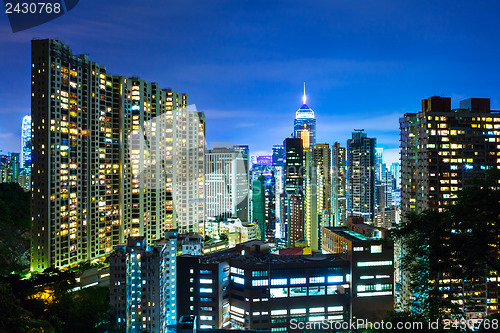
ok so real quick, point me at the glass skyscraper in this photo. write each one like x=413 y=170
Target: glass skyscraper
x=26 y=144
x=304 y=125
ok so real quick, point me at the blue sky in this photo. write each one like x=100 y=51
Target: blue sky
x=365 y=63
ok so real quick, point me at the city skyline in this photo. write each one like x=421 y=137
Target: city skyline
x=259 y=67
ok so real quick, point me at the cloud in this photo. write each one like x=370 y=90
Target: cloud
x=6 y=135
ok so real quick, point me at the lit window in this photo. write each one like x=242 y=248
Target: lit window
x=317 y=279
x=277 y=282
x=335 y=279
x=298 y=280
x=375 y=263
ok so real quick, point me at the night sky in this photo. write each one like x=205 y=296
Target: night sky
x=243 y=63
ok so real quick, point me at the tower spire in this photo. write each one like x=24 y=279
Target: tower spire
x=304 y=97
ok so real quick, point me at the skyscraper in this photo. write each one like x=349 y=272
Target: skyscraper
x=226 y=183
x=338 y=184
x=259 y=204
x=278 y=152
x=26 y=145
x=293 y=195
x=112 y=157
x=379 y=160
x=444 y=150
x=322 y=156
x=304 y=125
x=361 y=176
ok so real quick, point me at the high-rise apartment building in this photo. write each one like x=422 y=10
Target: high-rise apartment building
x=444 y=150
x=338 y=185
x=361 y=176
x=112 y=157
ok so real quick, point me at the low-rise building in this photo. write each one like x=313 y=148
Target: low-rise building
x=248 y=287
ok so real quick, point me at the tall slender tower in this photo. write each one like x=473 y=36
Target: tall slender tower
x=304 y=125
x=338 y=185
x=26 y=144
x=361 y=176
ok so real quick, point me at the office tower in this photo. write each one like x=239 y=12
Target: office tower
x=278 y=153
x=259 y=204
x=263 y=174
x=338 y=185
x=304 y=125
x=110 y=156
x=371 y=261
x=9 y=168
x=293 y=165
x=279 y=194
x=26 y=145
x=317 y=187
x=293 y=194
x=379 y=160
x=313 y=200
x=322 y=160
x=243 y=197
x=4 y=167
x=395 y=170
x=444 y=150
x=226 y=183
x=13 y=168
x=143 y=284
x=361 y=176
x=248 y=287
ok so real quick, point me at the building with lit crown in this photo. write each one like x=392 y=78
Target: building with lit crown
x=304 y=125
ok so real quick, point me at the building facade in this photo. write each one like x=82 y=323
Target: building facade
x=361 y=176
x=96 y=179
x=338 y=185
x=143 y=284
x=444 y=150
x=226 y=183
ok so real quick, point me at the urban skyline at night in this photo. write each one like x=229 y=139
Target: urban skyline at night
x=376 y=68
x=260 y=166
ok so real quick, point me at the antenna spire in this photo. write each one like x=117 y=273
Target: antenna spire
x=304 y=97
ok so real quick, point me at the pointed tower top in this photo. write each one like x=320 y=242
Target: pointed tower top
x=304 y=97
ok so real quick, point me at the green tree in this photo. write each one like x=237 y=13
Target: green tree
x=15 y=224
x=459 y=244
